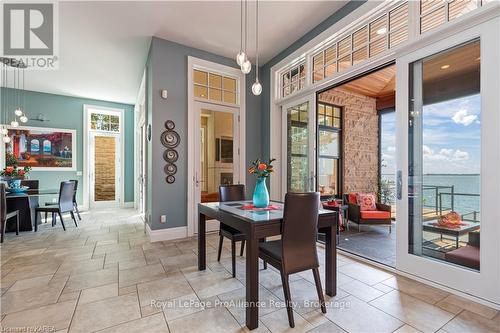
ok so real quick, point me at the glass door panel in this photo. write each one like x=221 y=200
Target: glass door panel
x=298 y=145
x=444 y=155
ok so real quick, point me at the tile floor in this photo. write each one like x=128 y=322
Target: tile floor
x=105 y=276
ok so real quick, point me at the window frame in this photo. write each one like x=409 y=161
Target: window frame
x=221 y=89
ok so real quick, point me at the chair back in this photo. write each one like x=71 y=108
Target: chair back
x=75 y=182
x=300 y=228
x=32 y=184
x=66 y=193
x=3 y=203
x=231 y=192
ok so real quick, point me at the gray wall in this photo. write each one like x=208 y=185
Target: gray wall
x=266 y=69
x=167 y=69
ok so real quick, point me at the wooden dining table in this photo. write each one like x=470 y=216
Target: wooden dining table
x=26 y=202
x=257 y=225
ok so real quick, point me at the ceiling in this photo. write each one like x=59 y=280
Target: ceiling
x=103 y=46
x=377 y=84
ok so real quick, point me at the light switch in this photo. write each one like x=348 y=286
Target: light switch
x=79 y=173
x=163 y=219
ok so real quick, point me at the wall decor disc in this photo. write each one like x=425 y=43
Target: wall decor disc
x=169 y=124
x=170 y=155
x=170 y=139
x=170 y=169
x=170 y=179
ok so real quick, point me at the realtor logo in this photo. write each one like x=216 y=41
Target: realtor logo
x=28 y=29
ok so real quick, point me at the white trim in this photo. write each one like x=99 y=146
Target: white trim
x=139 y=119
x=228 y=71
x=74 y=152
x=86 y=136
x=160 y=235
x=128 y=204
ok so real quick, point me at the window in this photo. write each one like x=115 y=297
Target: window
x=104 y=122
x=329 y=136
x=214 y=87
x=298 y=179
x=434 y=13
x=293 y=80
x=379 y=35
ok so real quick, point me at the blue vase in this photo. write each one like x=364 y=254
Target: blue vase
x=260 y=194
x=14 y=183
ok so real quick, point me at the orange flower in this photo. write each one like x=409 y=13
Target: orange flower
x=22 y=173
x=251 y=170
x=262 y=166
x=9 y=169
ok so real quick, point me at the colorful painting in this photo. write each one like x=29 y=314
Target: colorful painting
x=41 y=148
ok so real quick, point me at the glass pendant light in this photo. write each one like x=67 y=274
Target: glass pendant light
x=241 y=56
x=246 y=66
x=23 y=118
x=257 y=87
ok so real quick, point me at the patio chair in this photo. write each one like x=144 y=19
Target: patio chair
x=380 y=216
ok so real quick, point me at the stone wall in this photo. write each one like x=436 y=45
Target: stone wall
x=359 y=139
x=104 y=168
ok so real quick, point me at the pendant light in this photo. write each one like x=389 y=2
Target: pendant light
x=246 y=66
x=241 y=56
x=257 y=87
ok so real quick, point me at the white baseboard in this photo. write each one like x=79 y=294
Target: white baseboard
x=166 y=234
x=129 y=204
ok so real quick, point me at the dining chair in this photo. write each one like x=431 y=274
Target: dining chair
x=231 y=193
x=296 y=250
x=33 y=184
x=4 y=216
x=75 y=203
x=64 y=205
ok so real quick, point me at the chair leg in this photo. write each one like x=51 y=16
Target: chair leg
x=36 y=221
x=74 y=219
x=317 y=281
x=359 y=227
x=390 y=229
x=2 y=232
x=288 y=301
x=62 y=221
x=77 y=211
x=242 y=248
x=233 y=257
x=221 y=240
x=265 y=264
x=54 y=219
x=17 y=224
x=46 y=214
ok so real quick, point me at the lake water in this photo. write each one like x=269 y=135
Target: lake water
x=464 y=184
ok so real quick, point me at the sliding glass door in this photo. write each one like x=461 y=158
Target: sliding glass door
x=446 y=99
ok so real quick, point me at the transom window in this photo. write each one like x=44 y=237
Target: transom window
x=104 y=122
x=215 y=87
x=293 y=79
x=377 y=36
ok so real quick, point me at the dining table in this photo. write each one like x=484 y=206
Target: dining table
x=257 y=224
x=26 y=202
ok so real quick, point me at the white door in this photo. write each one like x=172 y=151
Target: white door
x=298 y=145
x=142 y=169
x=216 y=153
x=105 y=169
x=448 y=176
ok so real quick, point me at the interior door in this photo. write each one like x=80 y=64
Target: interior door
x=216 y=153
x=299 y=145
x=142 y=169
x=104 y=163
x=447 y=123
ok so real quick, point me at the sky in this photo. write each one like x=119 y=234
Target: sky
x=451 y=137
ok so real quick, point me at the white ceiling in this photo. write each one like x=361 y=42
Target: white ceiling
x=103 y=46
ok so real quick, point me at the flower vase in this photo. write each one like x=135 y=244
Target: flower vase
x=260 y=194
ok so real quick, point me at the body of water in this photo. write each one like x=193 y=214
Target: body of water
x=466 y=184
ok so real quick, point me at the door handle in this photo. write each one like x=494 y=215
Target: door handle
x=196 y=179
x=399 y=184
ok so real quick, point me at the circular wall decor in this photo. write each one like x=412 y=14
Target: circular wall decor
x=170 y=169
x=170 y=139
x=169 y=124
x=170 y=155
x=170 y=179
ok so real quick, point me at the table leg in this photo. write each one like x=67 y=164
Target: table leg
x=252 y=282
x=202 y=261
x=456 y=242
x=331 y=261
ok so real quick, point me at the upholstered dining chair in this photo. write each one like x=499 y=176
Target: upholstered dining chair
x=64 y=205
x=4 y=216
x=296 y=250
x=75 y=203
x=33 y=184
x=231 y=193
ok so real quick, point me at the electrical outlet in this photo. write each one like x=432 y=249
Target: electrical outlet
x=54 y=200
x=163 y=219
x=79 y=173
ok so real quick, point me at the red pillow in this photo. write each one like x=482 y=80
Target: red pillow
x=352 y=198
x=366 y=201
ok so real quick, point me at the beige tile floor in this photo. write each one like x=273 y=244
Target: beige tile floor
x=105 y=276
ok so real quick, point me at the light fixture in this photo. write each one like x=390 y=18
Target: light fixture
x=445 y=66
x=6 y=139
x=23 y=119
x=381 y=31
x=18 y=112
x=256 y=87
x=246 y=65
x=4 y=131
x=14 y=123
x=241 y=56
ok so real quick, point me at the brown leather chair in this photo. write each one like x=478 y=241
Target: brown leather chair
x=31 y=183
x=64 y=205
x=296 y=250
x=231 y=193
x=4 y=216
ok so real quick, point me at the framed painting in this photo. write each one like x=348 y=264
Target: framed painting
x=43 y=149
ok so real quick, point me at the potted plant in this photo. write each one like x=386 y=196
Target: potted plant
x=13 y=175
x=261 y=171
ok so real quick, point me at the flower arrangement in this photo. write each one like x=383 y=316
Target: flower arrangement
x=15 y=172
x=261 y=170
